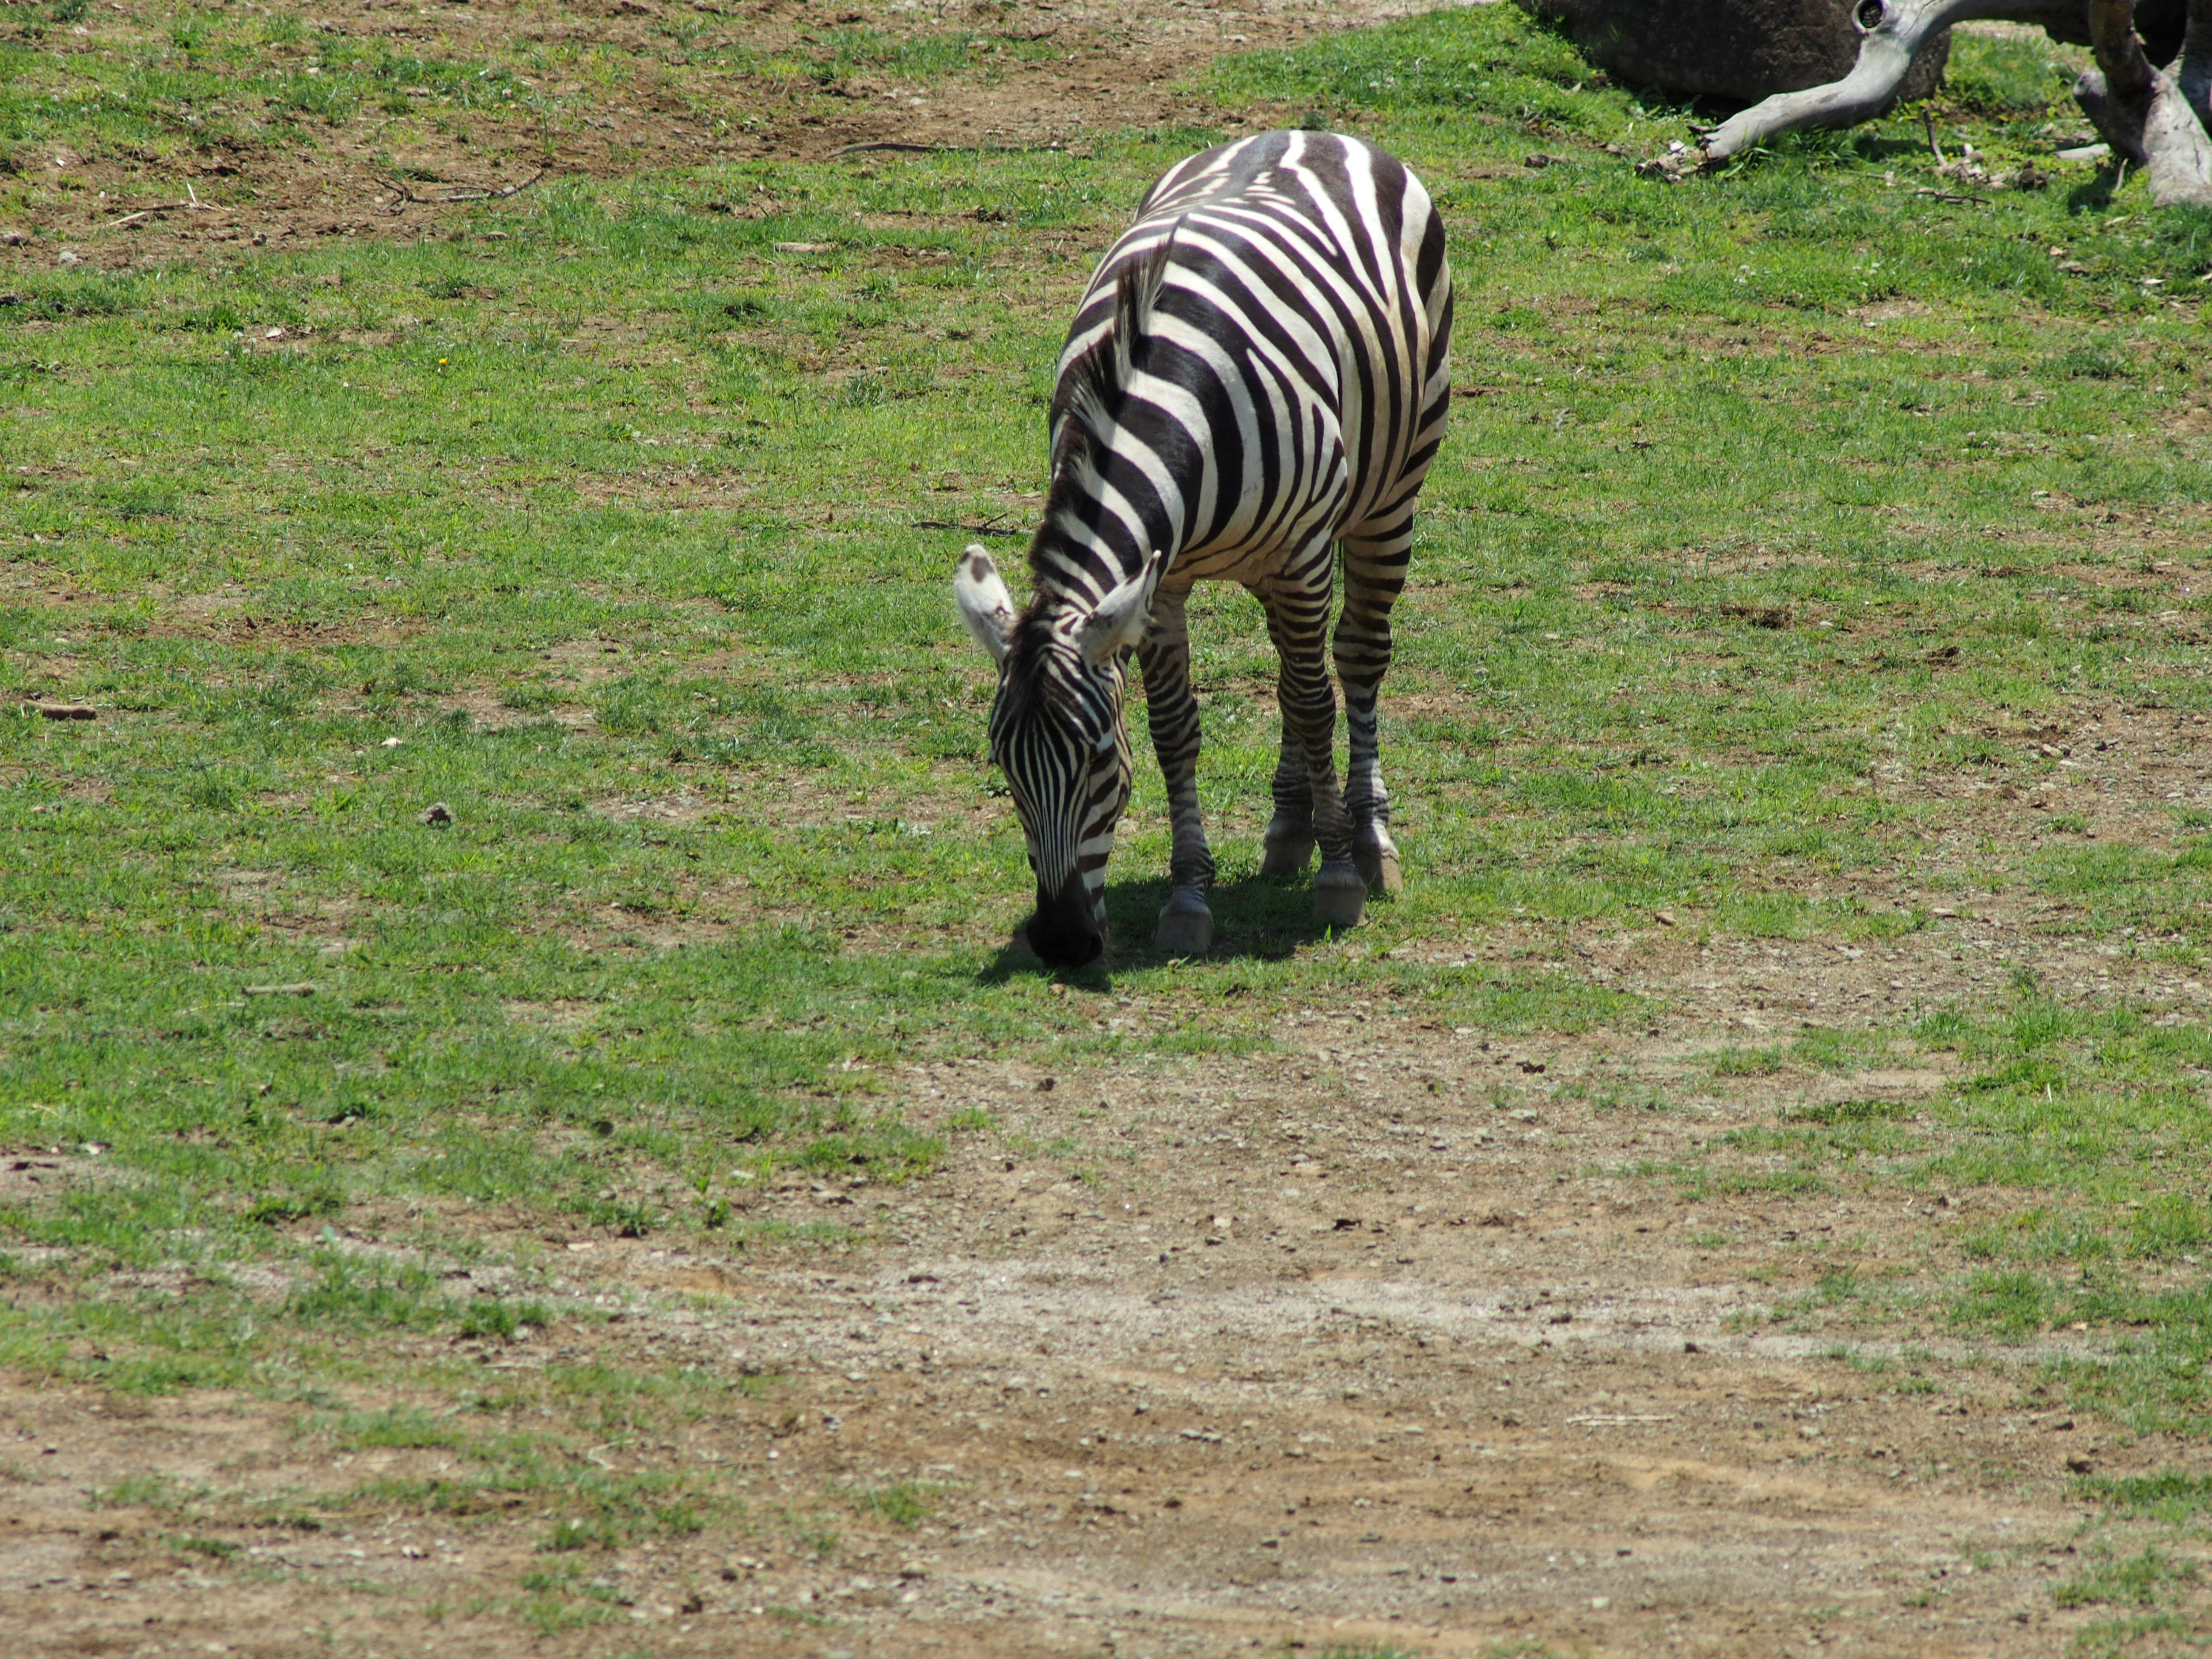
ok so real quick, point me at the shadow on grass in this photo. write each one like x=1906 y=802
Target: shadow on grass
x=2095 y=195
x=1258 y=917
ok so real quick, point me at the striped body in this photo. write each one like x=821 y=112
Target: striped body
x=1255 y=382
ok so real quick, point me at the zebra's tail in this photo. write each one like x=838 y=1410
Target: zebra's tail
x=1097 y=379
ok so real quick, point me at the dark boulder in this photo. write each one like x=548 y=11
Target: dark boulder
x=1739 y=50
x=2159 y=22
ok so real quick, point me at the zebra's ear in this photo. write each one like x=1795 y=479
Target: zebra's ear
x=1119 y=620
x=985 y=604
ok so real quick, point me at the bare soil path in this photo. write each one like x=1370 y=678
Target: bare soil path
x=1396 y=1336
x=610 y=91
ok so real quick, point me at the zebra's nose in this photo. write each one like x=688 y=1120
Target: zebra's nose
x=1065 y=931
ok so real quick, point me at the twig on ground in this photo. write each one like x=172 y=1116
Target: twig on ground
x=977 y=149
x=1928 y=122
x=890 y=143
x=1620 y=1420
x=142 y=215
x=473 y=194
x=993 y=526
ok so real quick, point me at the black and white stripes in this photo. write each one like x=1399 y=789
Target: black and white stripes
x=1256 y=380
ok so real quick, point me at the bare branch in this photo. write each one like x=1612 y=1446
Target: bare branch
x=2160 y=119
x=1893 y=33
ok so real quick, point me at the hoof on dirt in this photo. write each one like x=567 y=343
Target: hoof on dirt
x=1186 y=926
x=1340 y=896
x=1288 y=849
x=1378 y=865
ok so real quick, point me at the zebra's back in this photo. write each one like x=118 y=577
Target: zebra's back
x=1289 y=380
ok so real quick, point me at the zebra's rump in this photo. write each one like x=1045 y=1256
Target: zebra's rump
x=1285 y=381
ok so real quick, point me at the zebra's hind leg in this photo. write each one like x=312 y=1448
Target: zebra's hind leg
x=1374 y=574
x=1186 y=927
x=1298 y=620
x=1288 y=845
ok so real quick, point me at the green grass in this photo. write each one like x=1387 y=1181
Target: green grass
x=621 y=528
x=2141 y=1579
x=903 y=1503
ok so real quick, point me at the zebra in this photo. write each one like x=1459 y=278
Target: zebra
x=1256 y=378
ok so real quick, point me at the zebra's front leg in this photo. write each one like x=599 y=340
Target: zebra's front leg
x=1288 y=845
x=1186 y=926
x=1298 y=616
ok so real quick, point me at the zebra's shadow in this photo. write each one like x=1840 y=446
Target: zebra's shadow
x=1255 y=917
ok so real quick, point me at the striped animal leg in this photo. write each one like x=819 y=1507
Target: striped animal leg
x=1374 y=574
x=1186 y=926
x=1288 y=845
x=1298 y=623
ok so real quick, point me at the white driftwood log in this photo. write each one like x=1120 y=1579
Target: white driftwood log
x=1892 y=33
x=2157 y=119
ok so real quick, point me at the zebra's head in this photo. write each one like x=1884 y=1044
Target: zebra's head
x=1058 y=733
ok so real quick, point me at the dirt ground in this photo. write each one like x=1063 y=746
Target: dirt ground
x=1113 y=64
x=1375 y=1340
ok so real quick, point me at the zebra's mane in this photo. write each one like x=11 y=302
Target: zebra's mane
x=1092 y=389
x=1095 y=383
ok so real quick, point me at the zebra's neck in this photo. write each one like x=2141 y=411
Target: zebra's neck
x=1093 y=538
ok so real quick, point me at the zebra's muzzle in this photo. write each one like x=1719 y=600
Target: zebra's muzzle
x=1065 y=931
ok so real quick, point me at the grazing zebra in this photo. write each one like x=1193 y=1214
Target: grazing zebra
x=1257 y=376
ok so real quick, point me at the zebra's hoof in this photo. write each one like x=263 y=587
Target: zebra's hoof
x=1377 y=860
x=1288 y=849
x=1339 y=895
x=1186 y=926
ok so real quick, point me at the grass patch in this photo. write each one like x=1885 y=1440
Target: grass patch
x=2138 y=1580
x=902 y=1503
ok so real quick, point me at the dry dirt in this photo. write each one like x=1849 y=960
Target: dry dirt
x=1350 y=1361
x=1112 y=64
x=1381 y=1338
